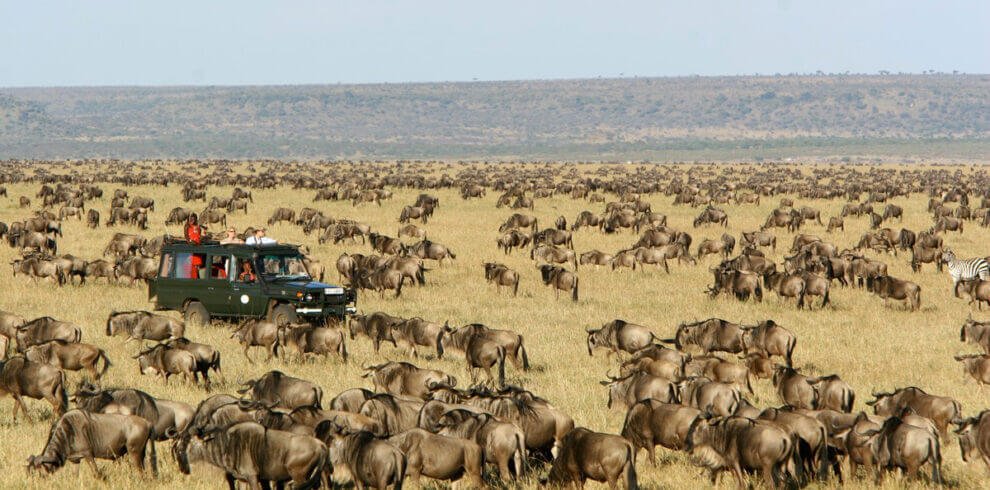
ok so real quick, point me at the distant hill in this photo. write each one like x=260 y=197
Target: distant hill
x=599 y=119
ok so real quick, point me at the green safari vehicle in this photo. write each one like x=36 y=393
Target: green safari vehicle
x=269 y=281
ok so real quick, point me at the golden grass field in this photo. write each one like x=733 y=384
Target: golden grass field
x=871 y=346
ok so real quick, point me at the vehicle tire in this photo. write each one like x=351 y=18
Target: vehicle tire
x=196 y=314
x=283 y=315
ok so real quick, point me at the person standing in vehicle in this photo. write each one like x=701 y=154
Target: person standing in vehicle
x=193 y=230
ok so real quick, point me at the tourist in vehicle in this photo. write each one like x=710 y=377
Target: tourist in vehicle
x=247 y=272
x=259 y=238
x=231 y=237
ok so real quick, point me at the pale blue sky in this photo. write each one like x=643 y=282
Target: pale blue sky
x=235 y=42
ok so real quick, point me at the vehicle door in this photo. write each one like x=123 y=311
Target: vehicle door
x=218 y=294
x=247 y=294
x=183 y=279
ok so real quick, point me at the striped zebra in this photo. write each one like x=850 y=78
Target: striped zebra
x=965 y=269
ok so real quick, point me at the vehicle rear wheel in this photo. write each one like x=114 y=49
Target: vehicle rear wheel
x=196 y=314
x=283 y=315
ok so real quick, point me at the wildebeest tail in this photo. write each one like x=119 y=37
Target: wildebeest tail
x=631 y=481
x=522 y=352
x=519 y=459
x=342 y=348
x=60 y=394
x=451 y=253
x=501 y=366
x=318 y=397
x=515 y=286
x=420 y=275
x=574 y=290
x=935 y=449
x=106 y=362
x=152 y=451
x=316 y=473
x=400 y=465
x=402 y=279
x=791 y=344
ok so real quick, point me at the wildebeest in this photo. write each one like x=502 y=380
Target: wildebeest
x=439 y=457
x=972 y=332
x=275 y=388
x=70 y=356
x=625 y=391
x=786 y=285
x=250 y=453
x=481 y=350
x=473 y=336
x=741 y=284
x=711 y=335
x=45 y=329
x=392 y=413
x=403 y=378
x=117 y=400
x=144 y=325
x=735 y=444
x=311 y=339
x=553 y=254
x=619 y=335
x=164 y=361
x=758 y=239
x=724 y=246
x=282 y=214
x=134 y=268
x=974 y=437
x=712 y=215
x=427 y=249
x=941 y=410
x=381 y=280
x=650 y=422
x=415 y=212
x=560 y=279
x=832 y=393
x=897 y=444
x=502 y=443
x=93 y=218
x=376 y=326
x=36 y=267
x=593 y=455
x=887 y=287
x=977 y=366
x=519 y=221
x=368 y=461
x=502 y=275
x=795 y=389
x=79 y=435
x=20 y=377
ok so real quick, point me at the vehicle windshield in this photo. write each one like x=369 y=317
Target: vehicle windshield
x=284 y=266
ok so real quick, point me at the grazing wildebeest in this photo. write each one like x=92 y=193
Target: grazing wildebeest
x=711 y=335
x=311 y=339
x=712 y=215
x=972 y=332
x=735 y=444
x=20 y=377
x=144 y=325
x=941 y=410
x=427 y=249
x=251 y=453
x=415 y=212
x=513 y=239
x=586 y=218
x=758 y=239
x=977 y=366
x=724 y=246
x=553 y=255
x=376 y=326
x=403 y=378
x=888 y=287
x=593 y=455
x=278 y=389
x=518 y=220
x=974 y=437
x=282 y=214
x=472 y=336
x=619 y=335
x=416 y=331
x=741 y=284
x=482 y=349
x=164 y=361
x=79 y=435
x=625 y=391
x=258 y=333
x=412 y=231
x=595 y=257
x=786 y=285
x=713 y=397
x=560 y=279
x=70 y=356
x=551 y=236
x=835 y=223
x=36 y=267
x=502 y=275
x=977 y=290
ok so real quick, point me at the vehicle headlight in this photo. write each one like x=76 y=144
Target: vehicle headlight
x=309 y=297
x=335 y=290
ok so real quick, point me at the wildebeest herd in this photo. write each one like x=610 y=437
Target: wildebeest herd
x=748 y=297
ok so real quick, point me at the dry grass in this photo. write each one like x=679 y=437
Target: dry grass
x=869 y=345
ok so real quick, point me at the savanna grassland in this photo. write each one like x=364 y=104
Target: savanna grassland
x=872 y=346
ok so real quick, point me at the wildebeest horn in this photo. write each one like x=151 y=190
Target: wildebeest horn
x=668 y=341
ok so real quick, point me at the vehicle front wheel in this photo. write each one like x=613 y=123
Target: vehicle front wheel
x=283 y=315
x=196 y=314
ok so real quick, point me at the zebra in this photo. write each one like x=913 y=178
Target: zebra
x=965 y=270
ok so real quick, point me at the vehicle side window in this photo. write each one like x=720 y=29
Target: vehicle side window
x=189 y=266
x=166 y=267
x=245 y=271
x=219 y=267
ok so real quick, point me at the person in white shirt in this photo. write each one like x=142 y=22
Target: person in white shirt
x=259 y=238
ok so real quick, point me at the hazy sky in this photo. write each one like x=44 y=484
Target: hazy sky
x=225 y=42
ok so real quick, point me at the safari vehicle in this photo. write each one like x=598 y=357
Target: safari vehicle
x=211 y=280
